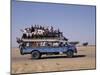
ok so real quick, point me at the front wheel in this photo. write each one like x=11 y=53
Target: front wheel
x=70 y=54
x=36 y=55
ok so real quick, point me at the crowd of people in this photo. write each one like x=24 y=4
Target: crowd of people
x=38 y=31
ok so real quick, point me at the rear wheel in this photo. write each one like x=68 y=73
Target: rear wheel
x=70 y=54
x=21 y=50
x=36 y=55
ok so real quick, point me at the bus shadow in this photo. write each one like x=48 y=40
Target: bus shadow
x=57 y=57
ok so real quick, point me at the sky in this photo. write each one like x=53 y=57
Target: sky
x=77 y=22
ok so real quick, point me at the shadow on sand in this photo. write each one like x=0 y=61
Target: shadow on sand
x=59 y=57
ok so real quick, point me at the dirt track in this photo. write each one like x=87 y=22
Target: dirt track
x=85 y=59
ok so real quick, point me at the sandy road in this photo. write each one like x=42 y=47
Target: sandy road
x=84 y=59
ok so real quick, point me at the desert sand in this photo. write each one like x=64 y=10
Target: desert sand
x=84 y=59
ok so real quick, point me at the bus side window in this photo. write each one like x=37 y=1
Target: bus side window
x=27 y=44
x=55 y=44
x=61 y=44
